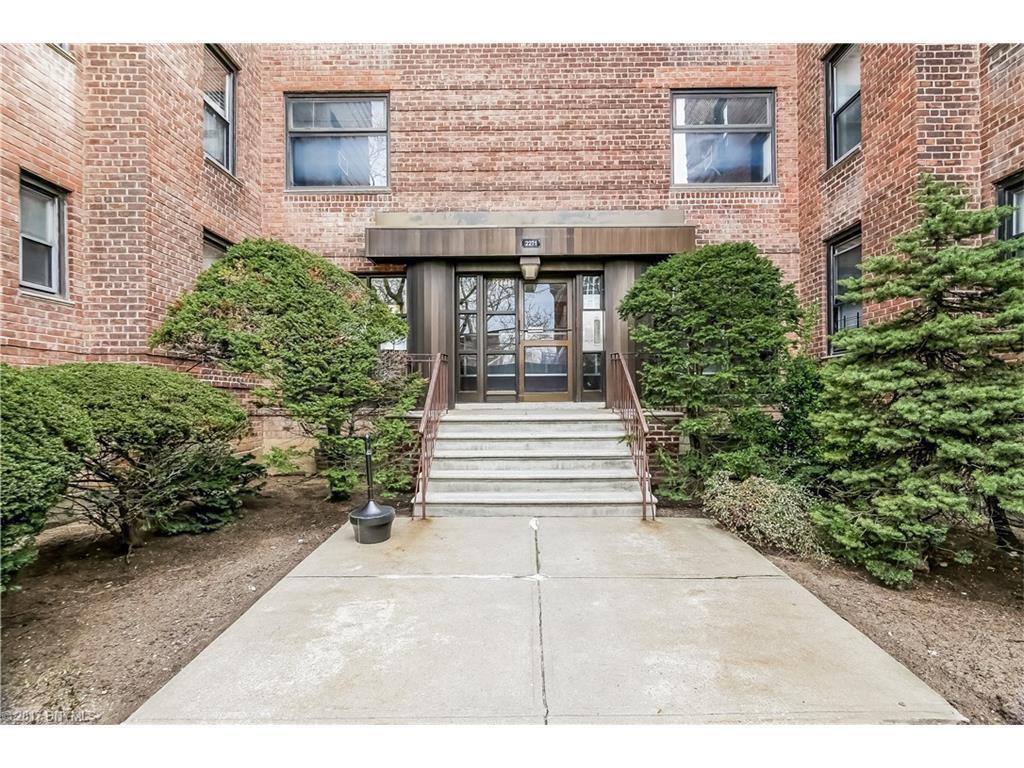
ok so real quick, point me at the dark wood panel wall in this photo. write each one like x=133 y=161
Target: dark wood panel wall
x=619 y=275
x=430 y=294
x=410 y=244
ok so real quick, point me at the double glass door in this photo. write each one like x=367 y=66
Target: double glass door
x=514 y=338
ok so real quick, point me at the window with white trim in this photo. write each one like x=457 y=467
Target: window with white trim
x=842 y=89
x=42 y=212
x=723 y=137
x=219 y=107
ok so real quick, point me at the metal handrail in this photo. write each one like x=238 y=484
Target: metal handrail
x=622 y=399
x=434 y=407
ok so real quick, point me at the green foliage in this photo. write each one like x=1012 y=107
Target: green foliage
x=312 y=332
x=716 y=326
x=797 y=442
x=214 y=484
x=42 y=437
x=923 y=416
x=765 y=512
x=162 y=449
x=283 y=461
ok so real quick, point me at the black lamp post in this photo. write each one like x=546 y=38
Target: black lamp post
x=371 y=522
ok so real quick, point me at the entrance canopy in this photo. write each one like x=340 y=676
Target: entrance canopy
x=523 y=303
x=404 y=237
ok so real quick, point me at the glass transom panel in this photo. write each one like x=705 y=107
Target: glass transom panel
x=846 y=76
x=700 y=110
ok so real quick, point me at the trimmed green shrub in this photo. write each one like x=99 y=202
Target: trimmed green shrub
x=214 y=484
x=923 y=414
x=163 y=449
x=42 y=439
x=716 y=327
x=312 y=332
x=765 y=513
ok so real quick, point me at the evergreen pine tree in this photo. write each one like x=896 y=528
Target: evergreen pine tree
x=923 y=414
x=716 y=326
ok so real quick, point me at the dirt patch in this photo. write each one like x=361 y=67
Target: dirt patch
x=89 y=637
x=960 y=628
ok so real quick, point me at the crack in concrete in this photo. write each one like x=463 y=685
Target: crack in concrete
x=540 y=618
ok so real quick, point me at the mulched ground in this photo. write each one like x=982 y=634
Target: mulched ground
x=90 y=637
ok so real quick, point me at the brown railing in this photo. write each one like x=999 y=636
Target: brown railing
x=622 y=399
x=434 y=407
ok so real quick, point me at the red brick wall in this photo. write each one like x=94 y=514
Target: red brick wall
x=529 y=127
x=869 y=187
x=41 y=132
x=473 y=127
x=109 y=126
x=1002 y=114
x=955 y=111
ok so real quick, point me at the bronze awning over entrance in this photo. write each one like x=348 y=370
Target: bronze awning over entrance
x=404 y=237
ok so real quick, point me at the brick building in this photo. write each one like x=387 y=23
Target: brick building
x=542 y=176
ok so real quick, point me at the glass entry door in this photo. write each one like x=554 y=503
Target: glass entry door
x=514 y=338
x=545 y=369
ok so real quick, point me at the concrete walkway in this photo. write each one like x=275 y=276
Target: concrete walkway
x=508 y=620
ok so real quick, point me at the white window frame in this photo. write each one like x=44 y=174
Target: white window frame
x=767 y=127
x=58 y=234
x=228 y=112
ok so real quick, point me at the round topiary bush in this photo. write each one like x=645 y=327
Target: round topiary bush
x=42 y=439
x=163 y=454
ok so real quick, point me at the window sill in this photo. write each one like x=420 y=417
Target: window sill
x=221 y=169
x=842 y=162
x=66 y=54
x=50 y=297
x=337 y=190
x=724 y=188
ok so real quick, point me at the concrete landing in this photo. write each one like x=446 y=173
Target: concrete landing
x=508 y=620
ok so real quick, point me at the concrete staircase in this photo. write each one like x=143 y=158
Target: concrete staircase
x=536 y=460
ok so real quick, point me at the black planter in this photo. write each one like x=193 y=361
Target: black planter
x=371 y=523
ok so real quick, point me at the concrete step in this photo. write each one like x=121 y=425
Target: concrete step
x=527 y=407
x=515 y=483
x=512 y=510
x=574 y=445
x=528 y=416
x=568 y=462
x=524 y=429
x=618 y=504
